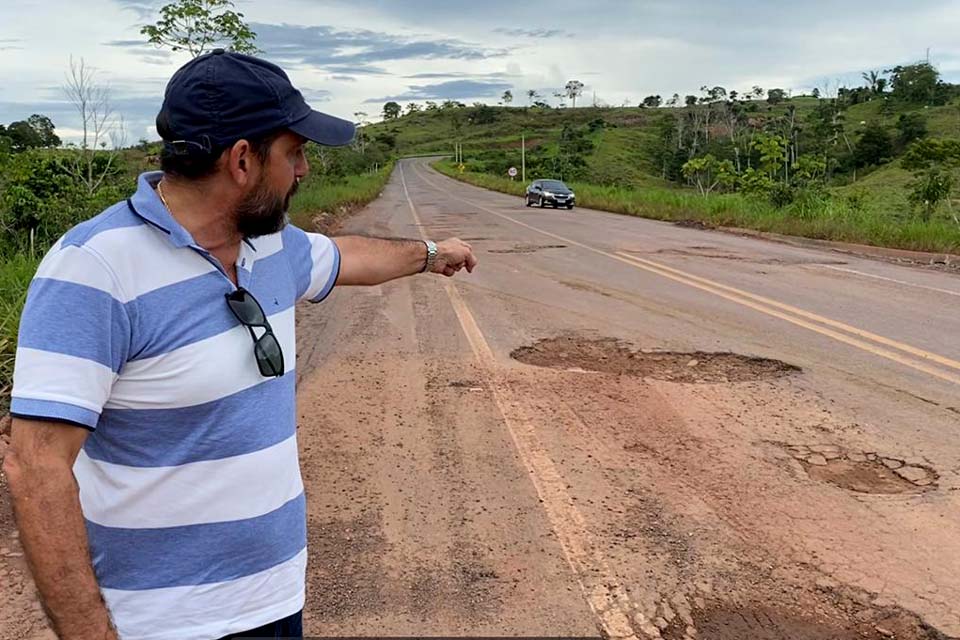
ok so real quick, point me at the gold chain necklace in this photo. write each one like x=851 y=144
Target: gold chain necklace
x=160 y=193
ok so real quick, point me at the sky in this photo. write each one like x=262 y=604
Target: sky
x=351 y=56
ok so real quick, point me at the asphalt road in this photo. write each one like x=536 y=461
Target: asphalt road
x=624 y=428
x=589 y=484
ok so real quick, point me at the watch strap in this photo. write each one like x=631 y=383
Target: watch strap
x=431 y=255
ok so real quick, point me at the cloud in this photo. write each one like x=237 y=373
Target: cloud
x=10 y=44
x=452 y=90
x=146 y=52
x=330 y=49
x=356 y=69
x=533 y=33
x=144 y=9
x=316 y=95
x=342 y=78
x=457 y=74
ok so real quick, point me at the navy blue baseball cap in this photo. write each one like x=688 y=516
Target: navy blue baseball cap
x=221 y=97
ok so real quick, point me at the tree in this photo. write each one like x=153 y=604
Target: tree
x=773 y=153
x=674 y=100
x=690 y=100
x=776 y=96
x=652 y=101
x=507 y=97
x=45 y=129
x=573 y=90
x=22 y=136
x=874 y=146
x=532 y=95
x=99 y=124
x=572 y=151
x=708 y=173
x=875 y=82
x=912 y=126
x=360 y=140
x=815 y=93
x=391 y=111
x=197 y=26
x=714 y=94
x=933 y=162
x=413 y=107
x=483 y=114
x=918 y=83
x=928 y=189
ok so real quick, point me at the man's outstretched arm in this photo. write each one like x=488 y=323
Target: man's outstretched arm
x=46 y=503
x=371 y=261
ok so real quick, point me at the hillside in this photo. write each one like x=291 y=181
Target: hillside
x=623 y=145
x=632 y=160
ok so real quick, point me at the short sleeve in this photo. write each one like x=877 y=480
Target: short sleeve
x=74 y=338
x=314 y=261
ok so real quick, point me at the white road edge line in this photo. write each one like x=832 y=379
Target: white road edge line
x=903 y=282
x=604 y=594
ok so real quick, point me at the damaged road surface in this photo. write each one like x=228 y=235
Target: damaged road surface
x=613 y=428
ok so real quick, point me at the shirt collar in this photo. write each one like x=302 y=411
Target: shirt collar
x=147 y=204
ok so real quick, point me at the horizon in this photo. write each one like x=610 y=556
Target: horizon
x=353 y=57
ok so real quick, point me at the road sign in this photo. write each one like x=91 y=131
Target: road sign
x=512 y=172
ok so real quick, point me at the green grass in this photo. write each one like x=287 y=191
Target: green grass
x=826 y=218
x=15 y=275
x=322 y=201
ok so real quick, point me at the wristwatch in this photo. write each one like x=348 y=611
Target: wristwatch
x=431 y=255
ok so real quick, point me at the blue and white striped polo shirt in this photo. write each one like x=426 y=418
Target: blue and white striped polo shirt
x=189 y=482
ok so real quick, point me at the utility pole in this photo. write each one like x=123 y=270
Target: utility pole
x=523 y=158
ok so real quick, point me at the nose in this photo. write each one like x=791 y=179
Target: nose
x=302 y=168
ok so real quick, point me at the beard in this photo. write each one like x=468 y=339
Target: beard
x=263 y=212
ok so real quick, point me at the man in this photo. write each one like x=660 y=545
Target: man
x=153 y=463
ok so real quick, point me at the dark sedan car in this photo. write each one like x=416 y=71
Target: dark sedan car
x=550 y=192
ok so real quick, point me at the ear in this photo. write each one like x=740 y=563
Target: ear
x=242 y=164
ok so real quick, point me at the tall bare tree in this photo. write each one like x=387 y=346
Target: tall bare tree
x=360 y=141
x=99 y=124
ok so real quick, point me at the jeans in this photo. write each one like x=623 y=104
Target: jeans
x=289 y=628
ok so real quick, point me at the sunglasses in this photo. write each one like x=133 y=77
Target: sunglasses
x=266 y=348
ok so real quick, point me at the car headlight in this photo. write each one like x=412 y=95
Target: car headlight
x=548 y=194
x=572 y=194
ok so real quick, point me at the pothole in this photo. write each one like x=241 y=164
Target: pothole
x=528 y=248
x=716 y=253
x=725 y=622
x=864 y=472
x=609 y=355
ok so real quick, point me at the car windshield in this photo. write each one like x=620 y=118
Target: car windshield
x=554 y=184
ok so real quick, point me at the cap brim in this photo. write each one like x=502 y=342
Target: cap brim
x=324 y=129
